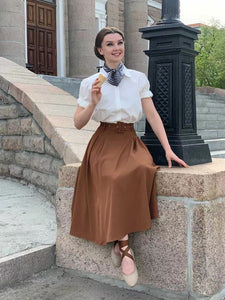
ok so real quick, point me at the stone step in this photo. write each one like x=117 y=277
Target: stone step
x=70 y=85
x=218 y=154
x=210 y=124
x=210 y=116
x=214 y=97
x=19 y=266
x=28 y=232
x=212 y=134
x=209 y=103
x=211 y=110
x=65 y=284
x=216 y=144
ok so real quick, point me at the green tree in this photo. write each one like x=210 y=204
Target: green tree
x=210 y=62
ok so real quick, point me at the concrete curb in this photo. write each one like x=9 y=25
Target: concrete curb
x=19 y=266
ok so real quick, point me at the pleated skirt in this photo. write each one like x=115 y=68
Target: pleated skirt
x=115 y=192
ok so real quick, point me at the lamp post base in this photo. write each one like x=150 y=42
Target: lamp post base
x=192 y=154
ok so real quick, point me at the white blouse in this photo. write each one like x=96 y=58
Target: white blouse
x=120 y=103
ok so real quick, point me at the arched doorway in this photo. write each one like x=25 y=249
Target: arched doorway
x=41 y=37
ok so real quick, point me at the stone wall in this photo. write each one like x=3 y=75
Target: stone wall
x=37 y=134
x=25 y=152
x=181 y=257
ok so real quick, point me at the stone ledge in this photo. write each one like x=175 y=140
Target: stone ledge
x=202 y=182
x=183 y=253
x=211 y=90
x=51 y=107
x=17 y=267
x=4 y=84
x=166 y=256
x=67 y=175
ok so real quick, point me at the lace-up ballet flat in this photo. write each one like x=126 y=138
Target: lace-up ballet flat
x=131 y=279
x=116 y=257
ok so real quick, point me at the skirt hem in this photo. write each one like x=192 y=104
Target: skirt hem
x=80 y=236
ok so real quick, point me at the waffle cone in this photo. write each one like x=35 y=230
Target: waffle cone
x=102 y=79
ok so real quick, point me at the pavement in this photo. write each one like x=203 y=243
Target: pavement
x=27 y=218
x=57 y=283
x=27 y=222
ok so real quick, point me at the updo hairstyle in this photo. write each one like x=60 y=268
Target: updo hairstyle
x=100 y=36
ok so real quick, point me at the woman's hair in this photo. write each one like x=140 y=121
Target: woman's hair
x=100 y=36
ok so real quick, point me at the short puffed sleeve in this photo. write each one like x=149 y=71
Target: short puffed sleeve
x=144 y=86
x=84 y=93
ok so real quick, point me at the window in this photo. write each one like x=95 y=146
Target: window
x=48 y=1
x=100 y=13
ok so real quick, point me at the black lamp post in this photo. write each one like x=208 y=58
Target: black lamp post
x=172 y=77
x=170 y=12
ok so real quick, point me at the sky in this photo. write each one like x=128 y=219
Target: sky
x=202 y=11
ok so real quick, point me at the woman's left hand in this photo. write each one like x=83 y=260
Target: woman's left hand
x=170 y=155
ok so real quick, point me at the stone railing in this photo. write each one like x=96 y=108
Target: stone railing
x=37 y=134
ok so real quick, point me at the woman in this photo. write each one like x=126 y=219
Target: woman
x=115 y=189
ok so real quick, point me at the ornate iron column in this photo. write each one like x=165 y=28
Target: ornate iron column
x=171 y=74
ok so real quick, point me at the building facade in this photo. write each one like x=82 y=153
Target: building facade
x=56 y=37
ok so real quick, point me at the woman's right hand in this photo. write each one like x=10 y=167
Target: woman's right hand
x=96 y=93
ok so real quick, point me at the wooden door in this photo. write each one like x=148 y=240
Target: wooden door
x=41 y=37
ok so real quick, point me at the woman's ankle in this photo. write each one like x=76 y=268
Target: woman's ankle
x=125 y=238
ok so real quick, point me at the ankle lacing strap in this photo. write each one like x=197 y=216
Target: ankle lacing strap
x=125 y=251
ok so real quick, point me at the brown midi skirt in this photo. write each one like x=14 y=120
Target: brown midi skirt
x=115 y=191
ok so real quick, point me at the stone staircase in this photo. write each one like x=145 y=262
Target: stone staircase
x=211 y=121
x=70 y=85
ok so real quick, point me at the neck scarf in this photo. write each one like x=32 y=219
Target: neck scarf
x=114 y=75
